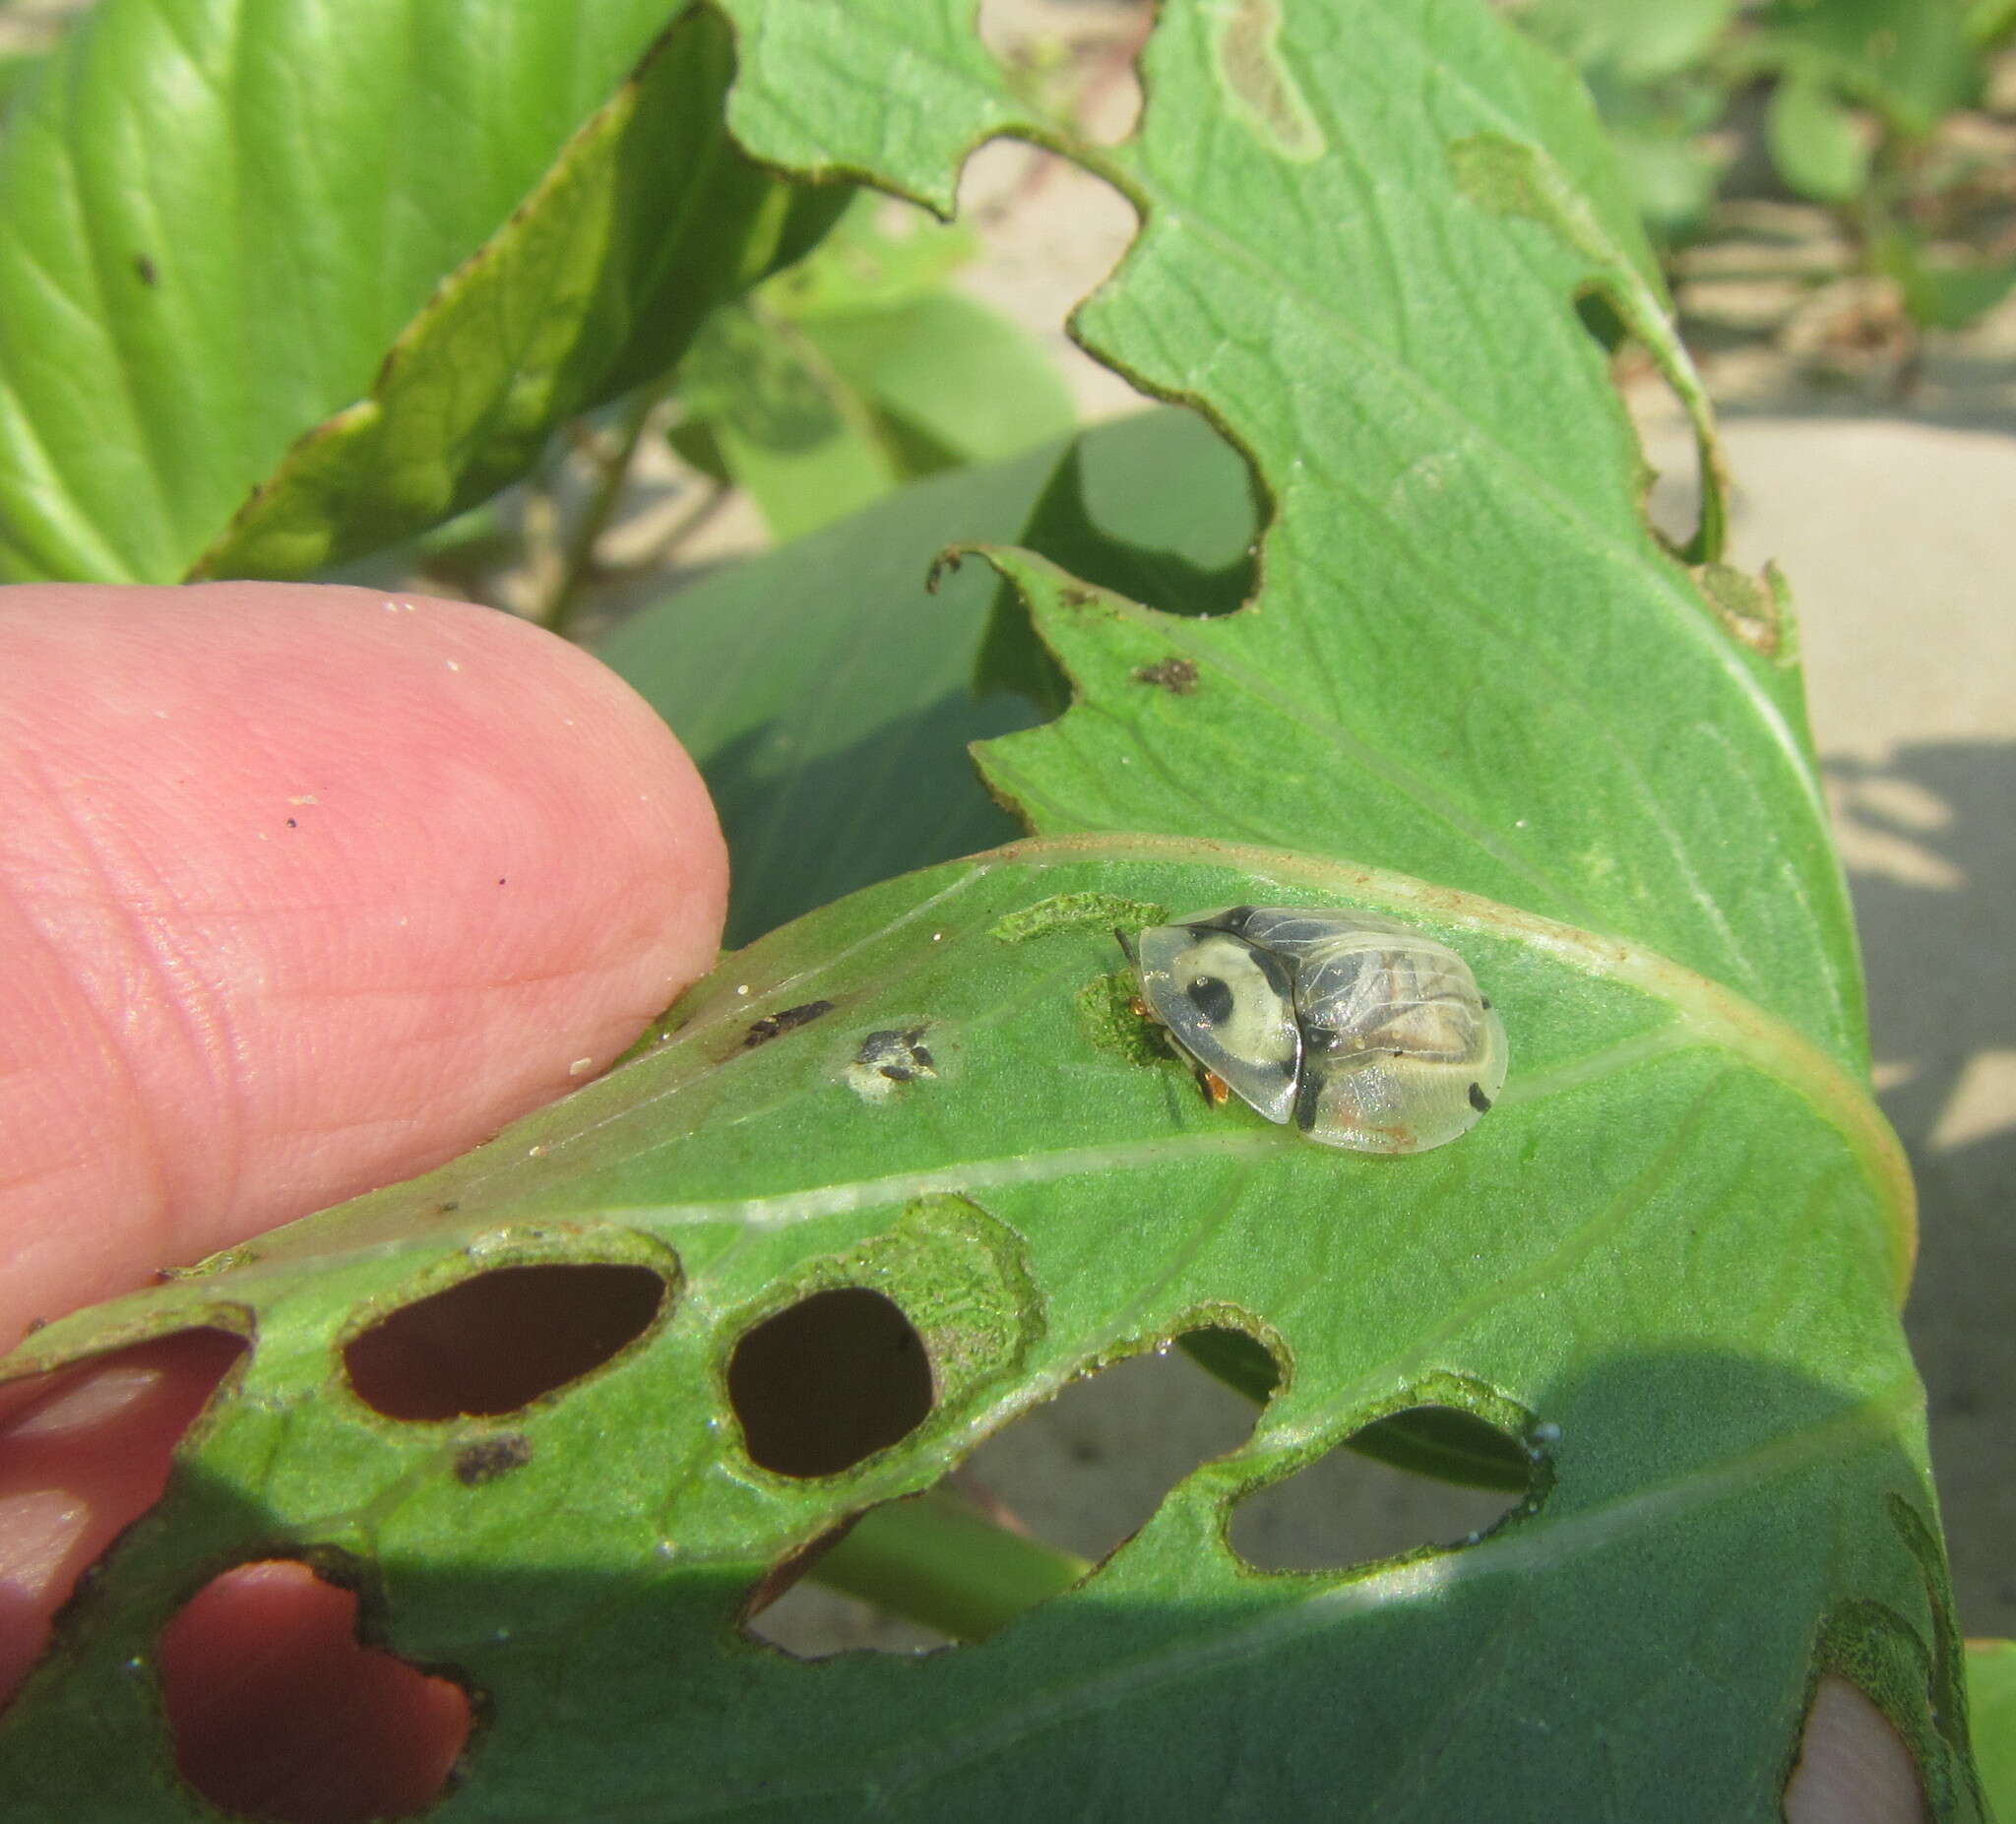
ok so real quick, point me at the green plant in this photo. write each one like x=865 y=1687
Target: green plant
x=1858 y=96
x=1473 y=691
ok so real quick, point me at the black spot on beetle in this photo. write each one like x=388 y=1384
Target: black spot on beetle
x=788 y=1020
x=1479 y=1099
x=490 y=1458
x=144 y=270
x=1485 y=1001
x=1177 y=676
x=1210 y=998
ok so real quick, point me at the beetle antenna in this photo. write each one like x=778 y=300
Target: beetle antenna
x=1126 y=949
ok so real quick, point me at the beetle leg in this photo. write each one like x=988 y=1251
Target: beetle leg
x=1213 y=1085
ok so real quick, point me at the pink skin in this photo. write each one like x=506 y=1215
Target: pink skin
x=302 y=889
x=302 y=893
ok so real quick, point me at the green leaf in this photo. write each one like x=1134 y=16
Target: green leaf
x=1472 y=661
x=17 y=70
x=345 y=285
x=1663 y=1269
x=1639 y=40
x=1939 y=292
x=1910 y=59
x=1672 y=177
x=1992 y=1697
x=855 y=370
x=1654 y=72
x=948 y=373
x=1817 y=142
x=826 y=692
x=880 y=255
x=1990 y=23
x=1708 y=1397
x=781 y=421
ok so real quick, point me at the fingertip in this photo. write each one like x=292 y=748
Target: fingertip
x=311 y=888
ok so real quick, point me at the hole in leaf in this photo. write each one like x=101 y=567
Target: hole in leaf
x=1355 y=1505
x=1087 y=1470
x=499 y=1341
x=278 y=1711
x=1850 y=1746
x=1085 y=74
x=829 y=1381
x=1677 y=505
x=84 y=1452
x=1028 y=1516
x=809 y=1621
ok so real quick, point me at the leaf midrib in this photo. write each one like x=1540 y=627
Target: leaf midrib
x=1704 y=1014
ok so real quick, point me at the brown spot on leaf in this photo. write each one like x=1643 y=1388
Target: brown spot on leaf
x=772 y=1024
x=1177 y=676
x=490 y=1458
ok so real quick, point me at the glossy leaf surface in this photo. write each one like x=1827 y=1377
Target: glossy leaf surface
x=281 y=284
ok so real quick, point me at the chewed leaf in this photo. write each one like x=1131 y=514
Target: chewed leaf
x=823 y=1300
x=901 y=1170
x=1470 y=657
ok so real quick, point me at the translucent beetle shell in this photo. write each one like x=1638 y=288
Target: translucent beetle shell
x=1361 y=1031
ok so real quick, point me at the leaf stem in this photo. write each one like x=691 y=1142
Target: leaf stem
x=613 y=466
x=938 y=1560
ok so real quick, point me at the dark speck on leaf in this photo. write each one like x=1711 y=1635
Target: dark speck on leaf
x=913 y=1061
x=490 y=1458
x=34 y=1324
x=144 y=270
x=896 y=1056
x=792 y=1018
x=1177 y=676
x=1077 y=597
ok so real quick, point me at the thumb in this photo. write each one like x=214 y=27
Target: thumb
x=303 y=890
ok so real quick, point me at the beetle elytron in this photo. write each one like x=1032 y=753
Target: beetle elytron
x=1361 y=1031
